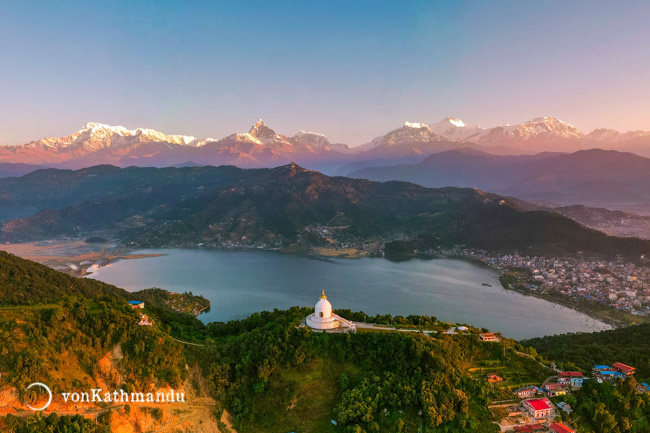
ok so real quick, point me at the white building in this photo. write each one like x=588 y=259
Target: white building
x=324 y=319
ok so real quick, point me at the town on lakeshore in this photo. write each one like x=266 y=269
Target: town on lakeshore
x=618 y=284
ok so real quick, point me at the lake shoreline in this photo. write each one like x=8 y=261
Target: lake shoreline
x=613 y=317
x=603 y=314
x=111 y=254
x=458 y=293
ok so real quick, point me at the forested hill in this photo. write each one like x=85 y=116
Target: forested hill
x=63 y=331
x=23 y=282
x=218 y=206
x=266 y=370
x=630 y=345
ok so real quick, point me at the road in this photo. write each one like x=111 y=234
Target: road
x=363 y=325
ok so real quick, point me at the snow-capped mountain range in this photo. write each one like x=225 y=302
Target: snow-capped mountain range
x=261 y=146
x=455 y=130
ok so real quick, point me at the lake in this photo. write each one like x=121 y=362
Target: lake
x=243 y=282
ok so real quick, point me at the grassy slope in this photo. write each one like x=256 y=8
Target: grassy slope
x=317 y=387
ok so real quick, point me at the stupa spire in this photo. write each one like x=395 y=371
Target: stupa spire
x=322 y=296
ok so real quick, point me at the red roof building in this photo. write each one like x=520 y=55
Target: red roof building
x=493 y=377
x=573 y=378
x=625 y=369
x=488 y=336
x=558 y=427
x=538 y=407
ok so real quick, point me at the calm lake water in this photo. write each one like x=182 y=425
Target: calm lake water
x=240 y=283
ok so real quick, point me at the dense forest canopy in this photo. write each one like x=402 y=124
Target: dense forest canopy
x=26 y=282
x=585 y=350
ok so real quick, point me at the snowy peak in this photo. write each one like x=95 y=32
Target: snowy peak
x=454 y=129
x=411 y=132
x=539 y=127
x=453 y=121
x=313 y=139
x=550 y=125
x=95 y=127
x=415 y=125
x=265 y=139
x=99 y=135
x=263 y=132
x=315 y=142
x=241 y=138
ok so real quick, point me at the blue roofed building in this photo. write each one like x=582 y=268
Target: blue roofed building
x=612 y=375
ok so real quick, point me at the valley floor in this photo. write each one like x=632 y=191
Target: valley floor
x=71 y=257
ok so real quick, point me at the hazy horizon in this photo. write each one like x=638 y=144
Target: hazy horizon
x=349 y=71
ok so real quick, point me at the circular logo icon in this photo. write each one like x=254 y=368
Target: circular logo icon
x=46 y=388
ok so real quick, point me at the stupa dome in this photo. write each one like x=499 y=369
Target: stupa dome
x=323 y=307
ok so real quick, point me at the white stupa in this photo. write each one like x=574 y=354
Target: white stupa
x=324 y=319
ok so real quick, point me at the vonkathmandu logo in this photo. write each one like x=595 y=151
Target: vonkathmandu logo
x=49 y=393
x=121 y=396
x=100 y=396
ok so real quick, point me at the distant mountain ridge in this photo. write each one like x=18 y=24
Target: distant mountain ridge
x=261 y=146
x=287 y=205
x=592 y=177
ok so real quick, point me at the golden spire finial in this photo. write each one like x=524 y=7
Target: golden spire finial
x=323 y=295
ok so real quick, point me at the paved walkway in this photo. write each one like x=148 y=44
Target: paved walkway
x=363 y=325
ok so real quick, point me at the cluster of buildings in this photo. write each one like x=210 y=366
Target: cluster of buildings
x=539 y=414
x=537 y=411
x=617 y=371
x=619 y=284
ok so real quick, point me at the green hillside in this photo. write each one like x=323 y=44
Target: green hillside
x=26 y=282
x=51 y=322
x=275 y=377
x=272 y=375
